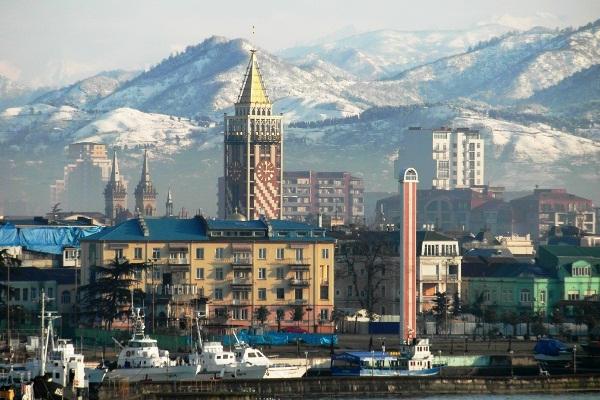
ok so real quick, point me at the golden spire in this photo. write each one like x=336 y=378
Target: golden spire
x=253 y=89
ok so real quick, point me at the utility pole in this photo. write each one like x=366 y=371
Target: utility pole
x=42 y=335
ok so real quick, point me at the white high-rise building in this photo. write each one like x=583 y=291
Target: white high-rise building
x=459 y=158
x=445 y=158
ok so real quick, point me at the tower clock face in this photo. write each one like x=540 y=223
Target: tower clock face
x=235 y=171
x=265 y=171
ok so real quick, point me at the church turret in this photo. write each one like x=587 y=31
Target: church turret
x=115 y=193
x=253 y=156
x=169 y=204
x=145 y=193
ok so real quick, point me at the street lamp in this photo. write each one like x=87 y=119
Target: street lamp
x=440 y=361
x=574 y=359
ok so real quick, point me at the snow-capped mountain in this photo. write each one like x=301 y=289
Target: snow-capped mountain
x=13 y=94
x=87 y=91
x=206 y=79
x=510 y=68
x=377 y=54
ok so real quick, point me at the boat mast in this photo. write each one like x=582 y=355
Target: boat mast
x=42 y=336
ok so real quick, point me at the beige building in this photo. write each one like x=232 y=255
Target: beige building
x=438 y=268
x=225 y=268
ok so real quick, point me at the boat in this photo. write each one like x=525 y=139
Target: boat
x=141 y=359
x=415 y=359
x=214 y=360
x=553 y=354
x=246 y=354
x=57 y=372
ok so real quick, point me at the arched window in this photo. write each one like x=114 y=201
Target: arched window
x=65 y=297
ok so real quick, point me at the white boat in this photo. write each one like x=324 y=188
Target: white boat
x=250 y=355
x=214 y=360
x=141 y=359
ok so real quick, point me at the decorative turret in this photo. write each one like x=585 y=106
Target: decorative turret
x=145 y=193
x=115 y=193
x=169 y=204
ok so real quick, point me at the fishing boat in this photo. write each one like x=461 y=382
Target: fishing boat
x=415 y=359
x=141 y=359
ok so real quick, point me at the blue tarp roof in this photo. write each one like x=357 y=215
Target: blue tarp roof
x=356 y=356
x=45 y=239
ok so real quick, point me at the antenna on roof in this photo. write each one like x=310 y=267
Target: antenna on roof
x=253 y=39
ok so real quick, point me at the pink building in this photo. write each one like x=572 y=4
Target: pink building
x=408 y=255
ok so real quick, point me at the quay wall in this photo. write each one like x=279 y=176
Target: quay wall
x=346 y=386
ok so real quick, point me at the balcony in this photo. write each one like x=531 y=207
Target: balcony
x=299 y=262
x=300 y=301
x=239 y=264
x=240 y=302
x=178 y=262
x=299 y=282
x=243 y=283
x=177 y=292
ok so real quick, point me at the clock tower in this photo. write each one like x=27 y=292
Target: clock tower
x=253 y=151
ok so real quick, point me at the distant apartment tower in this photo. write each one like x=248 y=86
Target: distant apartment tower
x=448 y=158
x=336 y=195
x=84 y=177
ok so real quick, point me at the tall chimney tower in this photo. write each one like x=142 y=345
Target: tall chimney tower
x=408 y=254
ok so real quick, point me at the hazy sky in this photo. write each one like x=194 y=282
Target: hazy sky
x=59 y=41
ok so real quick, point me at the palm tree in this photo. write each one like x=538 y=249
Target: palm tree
x=261 y=314
x=279 y=316
x=109 y=295
x=297 y=314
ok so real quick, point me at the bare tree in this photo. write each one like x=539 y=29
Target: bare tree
x=367 y=261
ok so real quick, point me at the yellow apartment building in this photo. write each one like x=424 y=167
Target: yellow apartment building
x=224 y=269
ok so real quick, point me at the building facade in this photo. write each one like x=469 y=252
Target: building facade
x=145 y=192
x=253 y=152
x=448 y=158
x=337 y=195
x=408 y=254
x=438 y=268
x=545 y=208
x=84 y=177
x=233 y=267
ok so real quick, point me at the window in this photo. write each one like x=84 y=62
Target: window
x=262 y=294
x=349 y=291
x=324 y=314
x=156 y=253
x=280 y=253
x=280 y=273
x=66 y=297
x=118 y=253
x=220 y=252
x=137 y=253
x=262 y=273
x=299 y=254
x=219 y=274
x=200 y=253
x=218 y=294
x=33 y=294
x=383 y=291
x=525 y=296
x=486 y=295
x=199 y=273
x=280 y=293
x=573 y=295
x=325 y=292
x=298 y=294
x=262 y=254
x=542 y=296
x=25 y=294
x=324 y=253
x=50 y=292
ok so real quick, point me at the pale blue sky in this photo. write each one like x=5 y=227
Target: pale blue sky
x=55 y=42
